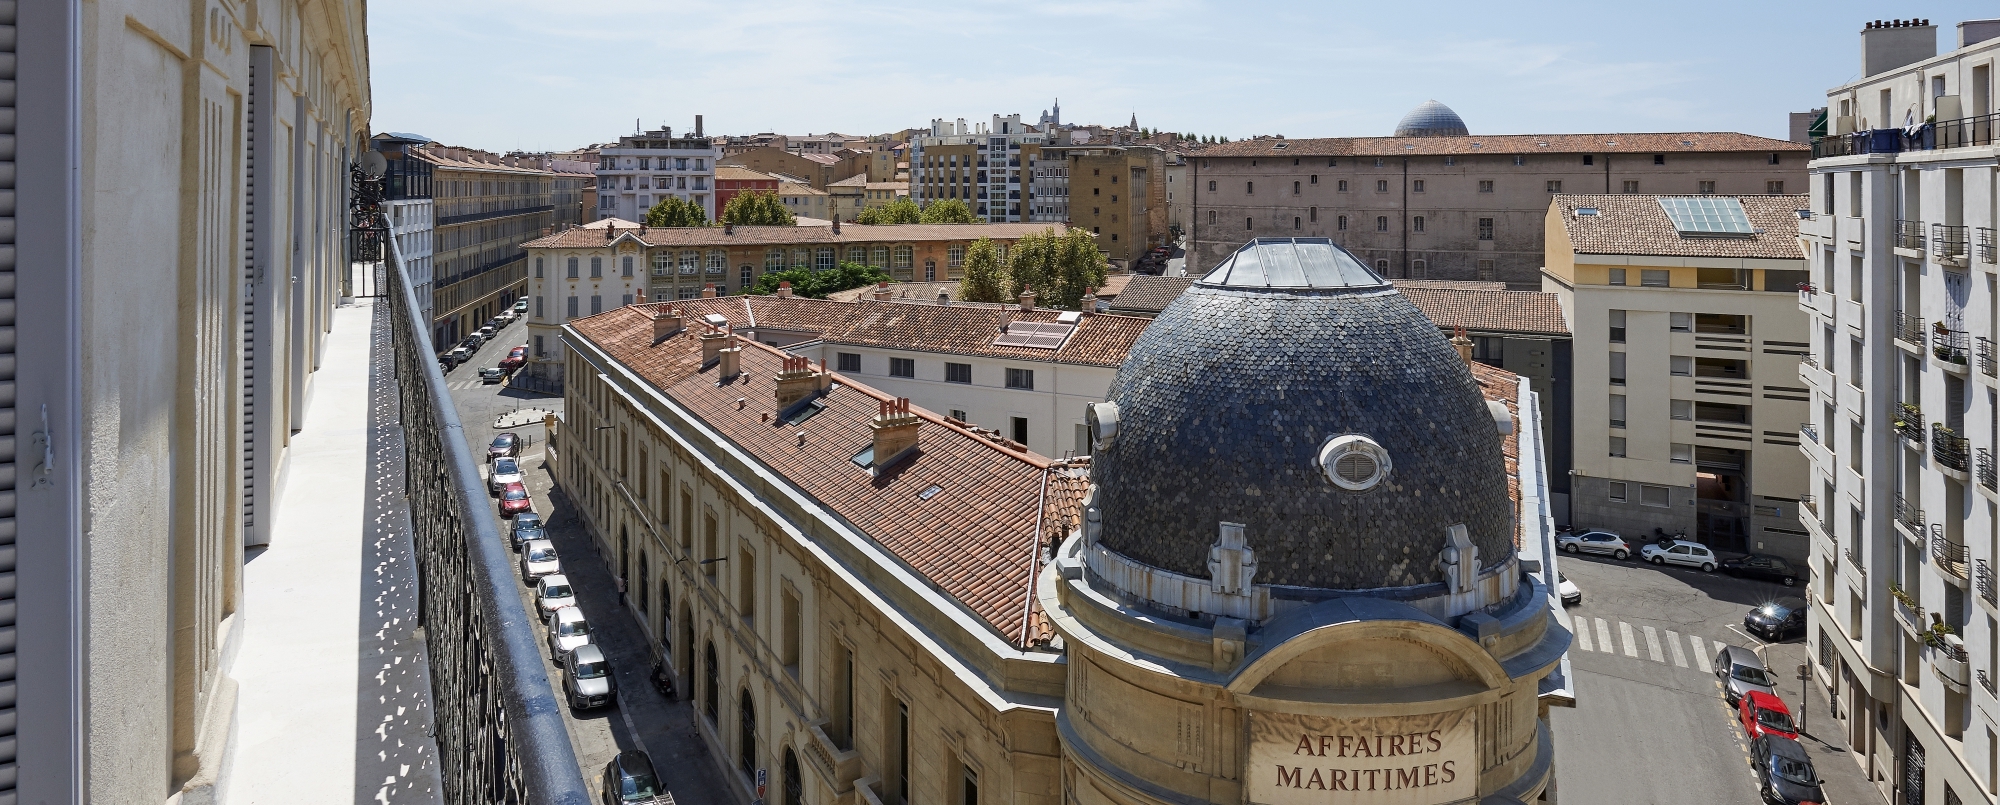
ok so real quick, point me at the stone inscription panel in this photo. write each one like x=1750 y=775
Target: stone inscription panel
x=1426 y=759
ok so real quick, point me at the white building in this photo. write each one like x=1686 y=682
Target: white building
x=642 y=169
x=982 y=165
x=1901 y=441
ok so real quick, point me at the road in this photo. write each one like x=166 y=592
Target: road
x=1650 y=724
x=643 y=718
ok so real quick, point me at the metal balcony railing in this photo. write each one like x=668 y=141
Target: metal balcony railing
x=1982 y=578
x=1949 y=345
x=1909 y=234
x=1985 y=681
x=1982 y=348
x=1950 y=557
x=1910 y=422
x=1950 y=242
x=1907 y=328
x=1947 y=447
x=1983 y=469
x=1808 y=432
x=1984 y=244
x=1810 y=360
x=1909 y=515
x=1854 y=561
x=500 y=731
x=1965 y=131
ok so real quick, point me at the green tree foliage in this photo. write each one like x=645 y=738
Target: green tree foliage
x=984 y=281
x=761 y=208
x=900 y=211
x=819 y=284
x=674 y=211
x=1057 y=267
x=949 y=211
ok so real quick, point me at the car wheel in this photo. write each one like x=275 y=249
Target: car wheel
x=1659 y=561
x=1708 y=567
x=1619 y=554
x=1789 y=581
x=1570 y=548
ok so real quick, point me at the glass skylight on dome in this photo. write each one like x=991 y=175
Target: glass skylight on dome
x=1708 y=217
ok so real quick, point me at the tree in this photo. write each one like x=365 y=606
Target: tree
x=900 y=211
x=1057 y=267
x=758 y=208
x=675 y=211
x=949 y=211
x=819 y=284
x=983 y=281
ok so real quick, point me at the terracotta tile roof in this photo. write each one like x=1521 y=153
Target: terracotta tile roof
x=1636 y=224
x=1504 y=386
x=1145 y=293
x=1486 y=307
x=978 y=539
x=790 y=188
x=1646 y=143
x=582 y=238
x=1099 y=340
x=823 y=159
x=902 y=291
x=453 y=158
x=735 y=173
x=1115 y=284
x=859 y=180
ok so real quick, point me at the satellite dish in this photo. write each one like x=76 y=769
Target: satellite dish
x=373 y=164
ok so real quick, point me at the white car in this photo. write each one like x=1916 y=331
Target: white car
x=538 y=559
x=1680 y=552
x=569 y=631
x=1572 y=595
x=1595 y=541
x=553 y=592
x=505 y=470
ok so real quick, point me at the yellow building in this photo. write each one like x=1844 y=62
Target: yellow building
x=1119 y=193
x=804 y=200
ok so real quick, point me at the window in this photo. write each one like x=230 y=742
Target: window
x=789 y=628
x=859 y=254
x=718 y=261
x=596 y=267
x=1314 y=178
x=538 y=339
x=959 y=415
x=1680 y=322
x=1617 y=373
x=1312 y=214
x=1681 y=409
x=1617 y=326
x=1705 y=187
x=1020 y=429
x=1680 y=366
x=901 y=257
x=596 y=304
x=958 y=373
x=1653 y=277
x=746 y=733
x=538 y=313
x=1246 y=225
x=1616 y=491
x=1295 y=188
x=1381 y=185
x=744 y=279
x=570 y=310
x=1211 y=185
x=1487 y=273
x=1617 y=447
x=1681 y=453
x=1021 y=379
x=1486 y=185
x=538 y=260
x=1417 y=224
x=1419 y=268
x=1520 y=160
x=1450 y=161
x=1342 y=187
x=1589 y=159
x=1555 y=185
x=1618 y=411
x=847 y=362
x=954 y=255
x=1617 y=277
x=1774 y=188
x=1341 y=223
x=1659 y=159
x=1295 y=223
x=625 y=266
x=1381 y=223
x=1631 y=185
x=690 y=262
x=823 y=258
x=1378 y=162
x=572 y=268
x=1417 y=186
x=1382 y=267
x=1211 y=216
x=902 y=367
x=1650 y=495
x=663 y=263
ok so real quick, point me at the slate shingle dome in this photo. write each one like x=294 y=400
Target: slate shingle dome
x=1431 y=119
x=1227 y=399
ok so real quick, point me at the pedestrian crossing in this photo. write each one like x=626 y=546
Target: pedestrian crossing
x=467 y=383
x=1644 y=643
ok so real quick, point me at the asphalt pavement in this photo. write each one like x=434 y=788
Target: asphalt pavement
x=642 y=719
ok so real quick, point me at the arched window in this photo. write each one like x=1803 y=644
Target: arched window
x=746 y=733
x=1211 y=217
x=859 y=255
x=666 y=600
x=795 y=785
x=711 y=673
x=718 y=261
x=801 y=258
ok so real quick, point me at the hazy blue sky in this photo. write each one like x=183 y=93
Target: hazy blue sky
x=508 y=74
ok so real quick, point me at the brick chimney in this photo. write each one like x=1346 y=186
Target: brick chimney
x=728 y=228
x=895 y=432
x=1027 y=299
x=666 y=322
x=836 y=223
x=796 y=381
x=639 y=295
x=882 y=291
x=708 y=291
x=730 y=359
x=1462 y=344
x=785 y=288
x=1089 y=302
x=713 y=339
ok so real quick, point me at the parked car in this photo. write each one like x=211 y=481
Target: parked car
x=492 y=374
x=514 y=500
x=513 y=360
x=1741 y=672
x=1777 y=620
x=527 y=525
x=569 y=631
x=1607 y=543
x=501 y=472
x=459 y=354
x=1680 y=552
x=1763 y=566
x=1764 y=714
x=552 y=592
x=629 y=780
x=1784 y=772
x=1572 y=595
x=587 y=679
x=538 y=559
x=505 y=444
x=486 y=333
x=447 y=363
x=521 y=306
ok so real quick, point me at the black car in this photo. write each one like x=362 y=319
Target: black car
x=1784 y=772
x=1763 y=566
x=526 y=526
x=1777 y=620
x=629 y=779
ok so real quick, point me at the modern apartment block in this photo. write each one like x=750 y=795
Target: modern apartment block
x=1117 y=192
x=1901 y=439
x=1687 y=342
x=643 y=169
x=986 y=166
x=1435 y=202
x=411 y=213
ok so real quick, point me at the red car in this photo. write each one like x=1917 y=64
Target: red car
x=514 y=500
x=515 y=357
x=1765 y=714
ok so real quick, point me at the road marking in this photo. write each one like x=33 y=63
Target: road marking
x=1603 y=636
x=1653 y=644
x=1625 y=635
x=1700 y=659
x=1719 y=646
x=1583 y=633
x=1674 y=642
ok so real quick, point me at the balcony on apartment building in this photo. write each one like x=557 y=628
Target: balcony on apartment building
x=1982 y=580
x=1909 y=235
x=1950 y=345
x=1982 y=348
x=1964 y=132
x=1908 y=328
x=1950 y=557
x=1909 y=515
x=1983 y=469
x=1948 y=448
x=1910 y=422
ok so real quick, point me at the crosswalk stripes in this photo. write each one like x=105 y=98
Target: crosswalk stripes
x=1603 y=636
x=1625 y=636
x=1689 y=651
x=1700 y=657
x=1674 y=642
x=1582 y=634
x=1653 y=644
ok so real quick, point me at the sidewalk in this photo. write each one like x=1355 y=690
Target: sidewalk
x=1843 y=780
x=334 y=699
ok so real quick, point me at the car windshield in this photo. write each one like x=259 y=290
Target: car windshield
x=589 y=670
x=541 y=554
x=556 y=591
x=574 y=628
x=1774 y=610
x=506 y=466
x=503 y=441
x=1792 y=769
x=1751 y=674
x=527 y=520
x=1775 y=720
x=517 y=494
x=639 y=786
x=534 y=532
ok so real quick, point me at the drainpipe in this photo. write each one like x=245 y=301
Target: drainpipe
x=1406 y=217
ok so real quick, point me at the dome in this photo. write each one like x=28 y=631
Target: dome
x=1431 y=119
x=1293 y=391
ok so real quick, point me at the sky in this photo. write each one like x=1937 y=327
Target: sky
x=517 y=75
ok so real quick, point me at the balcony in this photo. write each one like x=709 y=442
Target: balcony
x=1909 y=235
x=1909 y=515
x=1982 y=348
x=1908 y=612
x=1964 y=132
x=1910 y=423
x=1984 y=470
x=1855 y=564
x=1949 y=345
x=1950 y=557
x=1947 y=447
x=1808 y=433
x=1948 y=657
x=1907 y=328
x=1985 y=681
x=1874 y=141
x=1950 y=242
x=1984 y=244
x=1982 y=579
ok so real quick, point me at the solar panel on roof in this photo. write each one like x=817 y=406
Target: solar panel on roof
x=1035 y=335
x=1708 y=217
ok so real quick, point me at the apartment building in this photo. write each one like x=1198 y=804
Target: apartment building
x=643 y=169
x=406 y=194
x=1901 y=439
x=804 y=200
x=1433 y=202
x=485 y=205
x=982 y=165
x=1119 y=193
x=731 y=181
x=1686 y=400
x=818 y=170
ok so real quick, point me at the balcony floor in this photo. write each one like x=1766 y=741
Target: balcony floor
x=334 y=692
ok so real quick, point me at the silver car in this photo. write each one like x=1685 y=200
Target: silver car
x=569 y=631
x=1603 y=542
x=586 y=678
x=552 y=593
x=1741 y=672
x=538 y=559
x=503 y=472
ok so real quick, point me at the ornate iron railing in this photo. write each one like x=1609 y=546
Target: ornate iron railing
x=1909 y=234
x=1910 y=422
x=500 y=731
x=1947 y=447
x=1907 y=327
x=1951 y=557
x=1950 y=242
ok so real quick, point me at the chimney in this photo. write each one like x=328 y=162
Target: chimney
x=785 y=289
x=712 y=342
x=944 y=297
x=730 y=359
x=796 y=381
x=882 y=291
x=697 y=125
x=728 y=228
x=836 y=223
x=1027 y=299
x=895 y=432
x=666 y=322
x=708 y=291
x=1888 y=45
x=639 y=294
x=548 y=230
x=1089 y=301
x=1462 y=344
x=610 y=231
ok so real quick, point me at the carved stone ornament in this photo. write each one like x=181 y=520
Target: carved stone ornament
x=1231 y=562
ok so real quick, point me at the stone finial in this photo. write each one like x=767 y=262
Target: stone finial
x=1459 y=561
x=1231 y=562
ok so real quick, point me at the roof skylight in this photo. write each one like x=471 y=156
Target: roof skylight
x=1708 y=217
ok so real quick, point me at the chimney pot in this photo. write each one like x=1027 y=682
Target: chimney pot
x=708 y=291
x=785 y=288
x=1463 y=345
x=836 y=223
x=882 y=291
x=796 y=381
x=728 y=229
x=895 y=431
x=666 y=322
x=730 y=361
x=1027 y=299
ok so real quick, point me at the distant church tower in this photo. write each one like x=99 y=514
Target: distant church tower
x=1051 y=117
